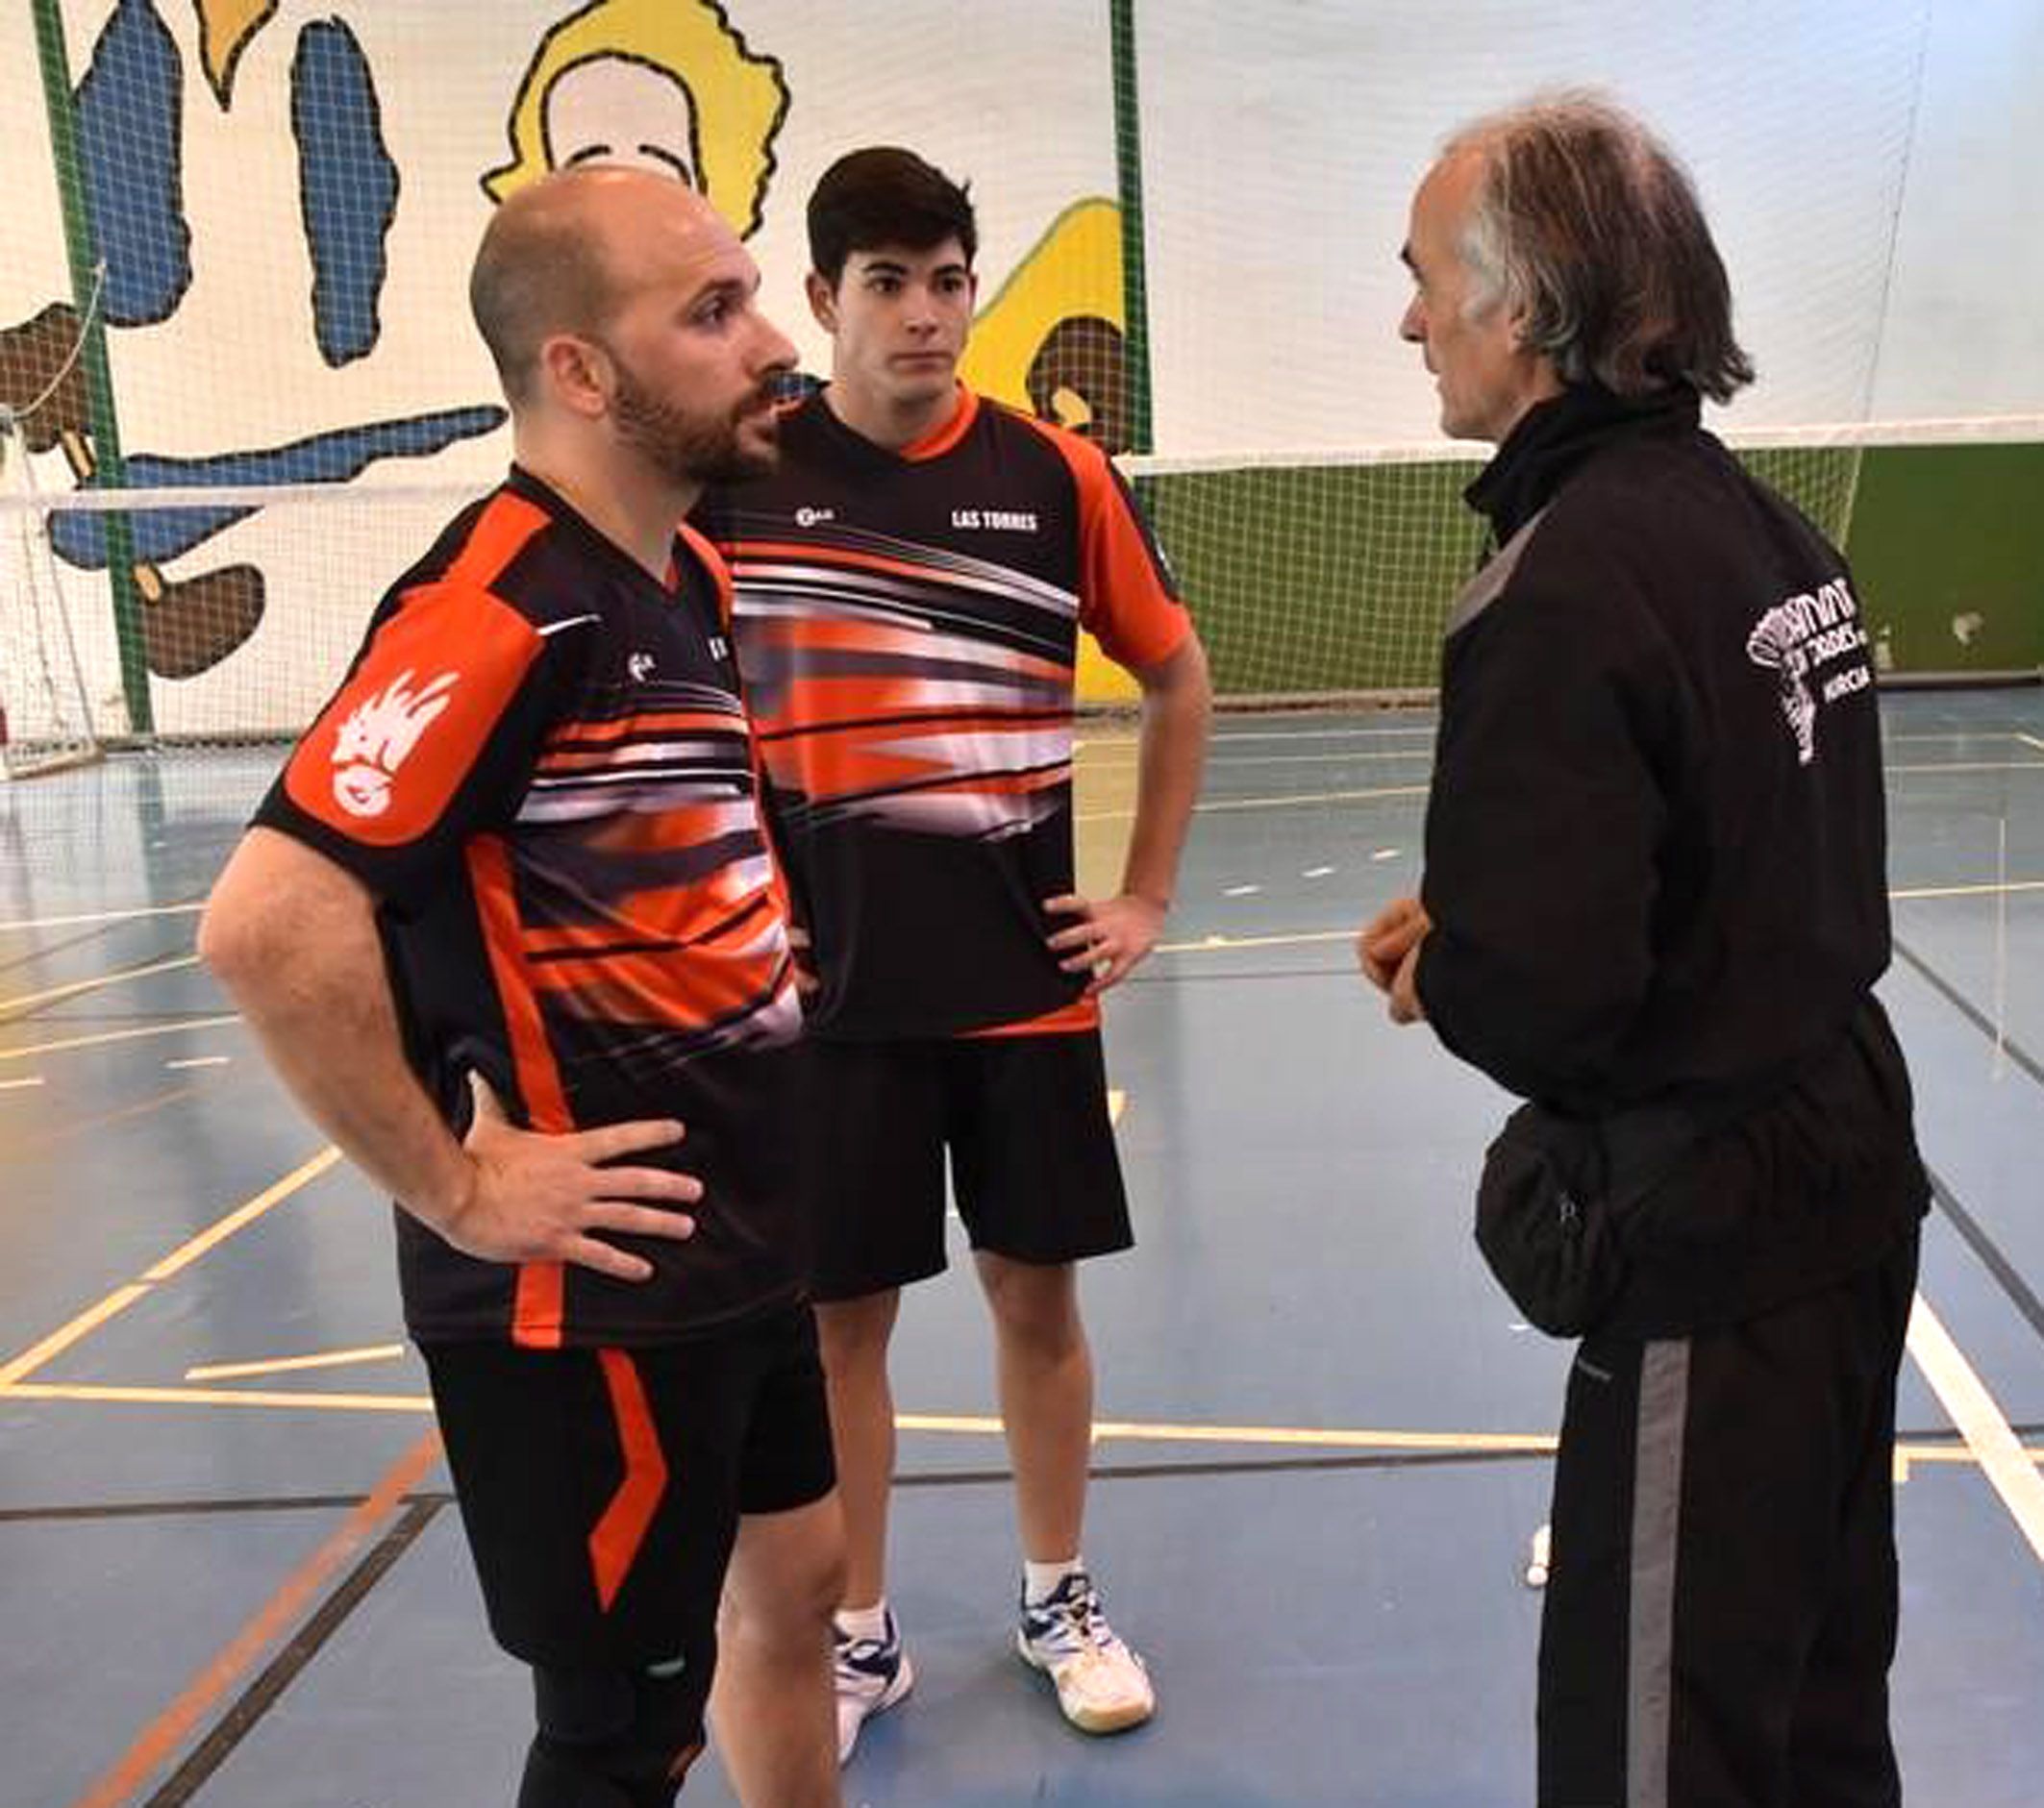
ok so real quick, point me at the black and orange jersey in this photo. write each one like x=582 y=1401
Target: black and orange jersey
x=908 y=625
x=540 y=767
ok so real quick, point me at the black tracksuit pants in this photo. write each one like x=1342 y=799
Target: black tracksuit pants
x=1721 y=1607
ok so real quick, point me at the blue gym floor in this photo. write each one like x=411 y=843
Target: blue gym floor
x=233 y=1579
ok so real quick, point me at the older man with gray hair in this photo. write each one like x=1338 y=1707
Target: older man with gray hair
x=1655 y=905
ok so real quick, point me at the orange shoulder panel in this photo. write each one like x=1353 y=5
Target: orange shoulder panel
x=1126 y=601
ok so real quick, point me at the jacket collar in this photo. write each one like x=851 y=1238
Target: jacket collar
x=1554 y=437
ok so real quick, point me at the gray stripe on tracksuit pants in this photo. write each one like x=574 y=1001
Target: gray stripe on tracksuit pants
x=1656 y=1523
x=1721 y=1605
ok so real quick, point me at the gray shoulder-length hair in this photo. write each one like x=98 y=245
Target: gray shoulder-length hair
x=1587 y=228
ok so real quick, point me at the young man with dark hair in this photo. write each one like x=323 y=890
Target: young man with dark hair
x=507 y=914
x=1655 y=904
x=910 y=587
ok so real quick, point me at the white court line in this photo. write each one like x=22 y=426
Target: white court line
x=1982 y=1422
x=1214 y=757
x=2003 y=890
x=12 y=1008
x=1976 y=765
x=200 y=1061
x=17 y=1085
x=103 y=916
x=2029 y=740
x=1218 y=944
x=1225 y=738
x=1268 y=803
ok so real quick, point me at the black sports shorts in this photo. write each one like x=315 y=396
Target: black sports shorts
x=1033 y=1160
x=601 y=1489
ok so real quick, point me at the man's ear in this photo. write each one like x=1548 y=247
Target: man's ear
x=576 y=373
x=823 y=300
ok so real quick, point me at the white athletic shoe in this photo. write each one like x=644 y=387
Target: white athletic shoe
x=871 y=1674
x=1102 y=1685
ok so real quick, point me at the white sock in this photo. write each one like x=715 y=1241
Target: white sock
x=865 y=1622
x=1039 y=1580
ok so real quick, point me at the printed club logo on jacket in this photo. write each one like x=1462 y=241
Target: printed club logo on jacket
x=1798 y=636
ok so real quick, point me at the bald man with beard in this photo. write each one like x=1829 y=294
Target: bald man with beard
x=509 y=929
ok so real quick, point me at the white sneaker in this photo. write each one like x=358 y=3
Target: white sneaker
x=1102 y=1685
x=871 y=1674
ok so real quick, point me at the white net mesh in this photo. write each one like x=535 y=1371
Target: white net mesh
x=284 y=198
x=46 y=714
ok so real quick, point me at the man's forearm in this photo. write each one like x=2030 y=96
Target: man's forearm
x=1177 y=706
x=293 y=940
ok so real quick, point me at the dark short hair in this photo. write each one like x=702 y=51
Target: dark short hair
x=539 y=270
x=1587 y=227
x=884 y=195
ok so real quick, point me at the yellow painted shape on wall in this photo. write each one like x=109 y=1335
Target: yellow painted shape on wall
x=737 y=97
x=1074 y=269
x=225 y=29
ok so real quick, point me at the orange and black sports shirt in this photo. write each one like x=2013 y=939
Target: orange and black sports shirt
x=540 y=767
x=908 y=626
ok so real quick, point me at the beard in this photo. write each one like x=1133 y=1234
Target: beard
x=688 y=447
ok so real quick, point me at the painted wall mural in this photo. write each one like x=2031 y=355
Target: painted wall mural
x=277 y=195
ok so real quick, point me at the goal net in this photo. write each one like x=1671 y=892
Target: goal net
x=46 y=716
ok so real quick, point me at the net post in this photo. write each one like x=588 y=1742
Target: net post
x=1127 y=178
x=82 y=248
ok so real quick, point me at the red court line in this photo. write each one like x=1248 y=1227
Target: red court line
x=162 y=1736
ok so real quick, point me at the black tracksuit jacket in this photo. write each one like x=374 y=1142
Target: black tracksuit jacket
x=1656 y=848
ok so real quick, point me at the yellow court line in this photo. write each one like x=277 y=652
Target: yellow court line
x=12 y=1007
x=1117 y=1103
x=187 y=1253
x=276 y=1398
x=100 y=1041
x=1150 y=1433
x=946 y=1424
x=282 y=1365
x=1980 y=1421
x=64 y=1336
x=125 y=1295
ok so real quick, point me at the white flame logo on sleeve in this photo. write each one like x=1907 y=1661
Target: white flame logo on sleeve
x=379 y=736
